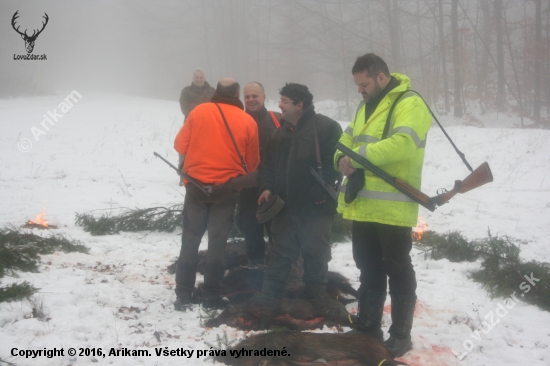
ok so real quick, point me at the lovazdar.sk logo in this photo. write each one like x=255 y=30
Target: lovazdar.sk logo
x=29 y=40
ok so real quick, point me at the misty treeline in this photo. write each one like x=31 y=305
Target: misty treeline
x=466 y=57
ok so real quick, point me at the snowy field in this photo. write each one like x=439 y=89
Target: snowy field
x=99 y=156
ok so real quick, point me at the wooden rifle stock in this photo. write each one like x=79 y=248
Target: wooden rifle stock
x=482 y=175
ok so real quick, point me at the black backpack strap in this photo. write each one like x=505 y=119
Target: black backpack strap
x=317 y=150
x=232 y=138
x=387 y=126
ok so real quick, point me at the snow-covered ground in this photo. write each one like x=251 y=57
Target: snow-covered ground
x=99 y=156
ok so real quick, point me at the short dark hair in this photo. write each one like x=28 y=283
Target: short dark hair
x=297 y=93
x=372 y=64
x=228 y=90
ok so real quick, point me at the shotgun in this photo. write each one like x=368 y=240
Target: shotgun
x=207 y=190
x=243 y=181
x=477 y=178
x=327 y=187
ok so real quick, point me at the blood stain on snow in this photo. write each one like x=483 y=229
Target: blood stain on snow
x=435 y=356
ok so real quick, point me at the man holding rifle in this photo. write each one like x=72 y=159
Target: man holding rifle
x=219 y=141
x=392 y=136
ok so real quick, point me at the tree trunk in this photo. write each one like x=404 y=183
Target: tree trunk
x=443 y=56
x=456 y=60
x=394 y=37
x=500 y=56
x=486 y=10
x=538 y=59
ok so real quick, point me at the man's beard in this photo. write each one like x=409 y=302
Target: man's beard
x=377 y=91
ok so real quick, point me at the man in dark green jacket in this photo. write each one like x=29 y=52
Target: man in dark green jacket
x=304 y=224
x=191 y=96
x=197 y=93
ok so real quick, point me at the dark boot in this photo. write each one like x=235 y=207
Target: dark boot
x=402 y=313
x=183 y=302
x=371 y=309
x=275 y=276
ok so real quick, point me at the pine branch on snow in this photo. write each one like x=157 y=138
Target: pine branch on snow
x=164 y=219
x=502 y=271
x=17 y=291
x=21 y=251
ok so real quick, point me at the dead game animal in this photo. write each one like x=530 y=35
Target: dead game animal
x=296 y=348
x=261 y=313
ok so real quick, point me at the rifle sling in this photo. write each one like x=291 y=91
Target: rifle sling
x=232 y=138
x=387 y=126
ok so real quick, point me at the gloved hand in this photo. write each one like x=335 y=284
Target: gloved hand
x=356 y=182
x=318 y=194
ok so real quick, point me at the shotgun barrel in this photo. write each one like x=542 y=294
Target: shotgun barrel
x=397 y=183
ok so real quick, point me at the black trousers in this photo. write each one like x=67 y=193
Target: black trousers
x=381 y=252
x=252 y=230
x=201 y=212
x=295 y=233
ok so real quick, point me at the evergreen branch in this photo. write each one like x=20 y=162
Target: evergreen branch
x=502 y=271
x=150 y=219
x=17 y=291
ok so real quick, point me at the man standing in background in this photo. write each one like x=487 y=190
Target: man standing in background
x=253 y=231
x=197 y=93
x=219 y=142
x=191 y=96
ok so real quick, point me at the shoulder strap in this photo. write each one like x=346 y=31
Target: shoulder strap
x=317 y=150
x=275 y=120
x=387 y=126
x=232 y=138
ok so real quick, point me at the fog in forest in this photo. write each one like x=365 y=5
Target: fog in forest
x=481 y=55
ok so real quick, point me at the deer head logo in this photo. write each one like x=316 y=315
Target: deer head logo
x=29 y=40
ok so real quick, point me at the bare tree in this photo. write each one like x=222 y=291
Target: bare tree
x=500 y=99
x=393 y=19
x=442 y=47
x=456 y=61
x=538 y=59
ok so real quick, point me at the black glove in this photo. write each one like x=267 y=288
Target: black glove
x=356 y=182
x=318 y=194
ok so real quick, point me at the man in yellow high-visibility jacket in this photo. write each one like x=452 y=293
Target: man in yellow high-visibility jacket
x=382 y=216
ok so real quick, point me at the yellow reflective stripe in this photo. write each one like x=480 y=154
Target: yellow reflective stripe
x=365 y=138
x=383 y=196
x=405 y=129
x=349 y=131
x=362 y=151
x=409 y=131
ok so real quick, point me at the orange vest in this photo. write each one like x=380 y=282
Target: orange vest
x=210 y=155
